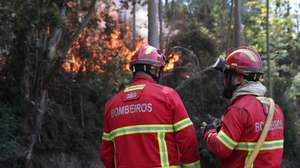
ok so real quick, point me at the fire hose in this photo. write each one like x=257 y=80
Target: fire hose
x=249 y=160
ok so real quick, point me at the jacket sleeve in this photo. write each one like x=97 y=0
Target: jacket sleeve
x=107 y=146
x=185 y=134
x=223 y=142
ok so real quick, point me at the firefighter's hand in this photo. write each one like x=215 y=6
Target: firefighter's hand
x=216 y=122
x=206 y=127
x=203 y=128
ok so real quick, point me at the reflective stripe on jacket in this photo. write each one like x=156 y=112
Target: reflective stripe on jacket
x=241 y=127
x=146 y=126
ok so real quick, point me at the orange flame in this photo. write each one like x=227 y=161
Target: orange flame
x=173 y=59
x=112 y=45
x=95 y=47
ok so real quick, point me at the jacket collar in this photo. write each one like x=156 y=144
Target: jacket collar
x=143 y=77
x=249 y=88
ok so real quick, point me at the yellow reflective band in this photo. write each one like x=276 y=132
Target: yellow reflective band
x=210 y=134
x=226 y=140
x=163 y=151
x=172 y=166
x=148 y=128
x=267 y=145
x=195 y=164
x=134 y=87
x=182 y=124
x=248 y=146
x=106 y=136
x=139 y=129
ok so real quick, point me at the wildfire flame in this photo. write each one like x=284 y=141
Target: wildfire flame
x=112 y=45
x=174 y=57
x=96 y=47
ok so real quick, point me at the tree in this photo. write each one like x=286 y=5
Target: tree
x=160 y=13
x=237 y=23
x=278 y=55
x=267 y=50
x=153 y=23
x=133 y=23
x=58 y=55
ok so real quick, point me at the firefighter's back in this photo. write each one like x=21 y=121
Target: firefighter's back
x=140 y=122
x=254 y=116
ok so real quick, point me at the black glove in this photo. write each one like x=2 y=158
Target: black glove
x=206 y=127
x=214 y=123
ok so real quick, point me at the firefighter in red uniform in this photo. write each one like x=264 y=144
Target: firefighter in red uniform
x=146 y=125
x=244 y=119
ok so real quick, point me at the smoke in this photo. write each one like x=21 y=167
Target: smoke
x=142 y=21
x=141 y=17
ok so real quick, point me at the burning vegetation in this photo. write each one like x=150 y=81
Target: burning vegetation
x=173 y=59
x=96 y=46
x=112 y=38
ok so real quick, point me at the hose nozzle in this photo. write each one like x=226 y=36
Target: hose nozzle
x=219 y=64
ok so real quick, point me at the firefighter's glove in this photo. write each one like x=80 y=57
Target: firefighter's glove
x=216 y=122
x=206 y=127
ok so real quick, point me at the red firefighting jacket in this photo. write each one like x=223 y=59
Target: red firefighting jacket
x=146 y=126
x=240 y=129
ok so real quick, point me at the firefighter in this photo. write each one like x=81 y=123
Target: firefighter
x=243 y=121
x=146 y=125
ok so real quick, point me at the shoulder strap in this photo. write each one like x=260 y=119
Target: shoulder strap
x=249 y=160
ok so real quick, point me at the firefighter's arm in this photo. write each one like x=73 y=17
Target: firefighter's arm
x=107 y=153
x=107 y=147
x=223 y=142
x=185 y=134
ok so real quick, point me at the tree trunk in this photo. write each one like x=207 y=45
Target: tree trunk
x=268 y=52
x=133 y=24
x=229 y=30
x=38 y=126
x=297 y=23
x=167 y=4
x=82 y=109
x=153 y=23
x=161 y=44
x=237 y=24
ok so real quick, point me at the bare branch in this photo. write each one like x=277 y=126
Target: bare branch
x=53 y=43
x=62 y=54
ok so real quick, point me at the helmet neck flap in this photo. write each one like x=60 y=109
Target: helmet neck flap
x=153 y=71
x=229 y=83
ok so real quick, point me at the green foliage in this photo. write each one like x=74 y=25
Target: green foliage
x=282 y=39
x=284 y=55
x=254 y=17
x=208 y=21
x=294 y=90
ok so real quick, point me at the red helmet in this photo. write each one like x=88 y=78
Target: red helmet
x=148 y=55
x=244 y=61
